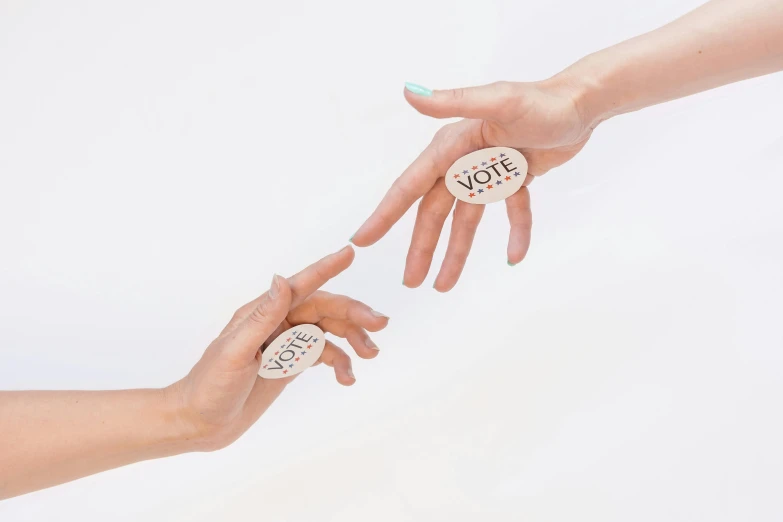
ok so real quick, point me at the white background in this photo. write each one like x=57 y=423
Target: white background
x=160 y=160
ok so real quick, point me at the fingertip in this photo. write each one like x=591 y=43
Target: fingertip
x=345 y=377
x=377 y=324
x=442 y=288
x=344 y=258
x=347 y=251
x=361 y=238
x=283 y=288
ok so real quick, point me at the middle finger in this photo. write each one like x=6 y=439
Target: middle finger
x=433 y=211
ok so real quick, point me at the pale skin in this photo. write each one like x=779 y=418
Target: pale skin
x=51 y=437
x=550 y=121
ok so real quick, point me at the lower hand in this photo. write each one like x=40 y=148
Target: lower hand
x=223 y=395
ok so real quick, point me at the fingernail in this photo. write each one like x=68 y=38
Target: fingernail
x=418 y=89
x=371 y=345
x=351 y=240
x=274 y=289
x=376 y=313
x=350 y=374
x=510 y=263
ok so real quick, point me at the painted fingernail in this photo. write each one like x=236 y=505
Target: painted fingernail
x=350 y=374
x=274 y=289
x=418 y=89
x=510 y=263
x=371 y=345
x=351 y=239
x=376 y=313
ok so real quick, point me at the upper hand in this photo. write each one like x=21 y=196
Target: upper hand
x=223 y=395
x=542 y=120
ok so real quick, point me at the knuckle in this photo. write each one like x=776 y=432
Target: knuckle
x=445 y=133
x=419 y=251
x=429 y=210
x=503 y=89
x=457 y=94
x=260 y=314
x=505 y=98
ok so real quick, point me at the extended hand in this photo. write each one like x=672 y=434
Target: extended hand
x=223 y=396
x=540 y=119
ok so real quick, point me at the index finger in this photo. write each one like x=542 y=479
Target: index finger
x=316 y=275
x=304 y=282
x=449 y=144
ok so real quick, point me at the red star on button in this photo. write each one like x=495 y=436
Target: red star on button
x=288 y=339
x=296 y=360
x=285 y=371
x=471 y=195
x=492 y=159
x=475 y=167
x=309 y=346
x=489 y=187
x=508 y=178
x=277 y=352
x=266 y=365
x=456 y=176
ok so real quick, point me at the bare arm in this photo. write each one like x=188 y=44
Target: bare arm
x=50 y=437
x=721 y=42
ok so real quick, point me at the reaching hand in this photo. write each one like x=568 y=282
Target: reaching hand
x=223 y=396
x=541 y=120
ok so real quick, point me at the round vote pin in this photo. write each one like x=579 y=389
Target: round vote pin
x=294 y=351
x=487 y=175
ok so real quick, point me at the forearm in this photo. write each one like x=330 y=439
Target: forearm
x=50 y=437
x=721 y=42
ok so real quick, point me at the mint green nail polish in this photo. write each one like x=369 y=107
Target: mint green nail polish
x=351 y=239
x=510 y=263
x=418 y=89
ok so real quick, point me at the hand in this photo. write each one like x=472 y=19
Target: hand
x=542 y=120
x=223 y=396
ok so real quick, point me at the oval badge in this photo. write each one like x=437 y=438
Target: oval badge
x=294 y=351
x=487 y=175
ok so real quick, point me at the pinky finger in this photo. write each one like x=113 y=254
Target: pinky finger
x=521 y=219
x=336 y=358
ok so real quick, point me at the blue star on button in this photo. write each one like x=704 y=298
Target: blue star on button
x=291 y=365
x=499 y=182
x=465 y=172
x=483 y=163
x=480 y=191
x=516 y=174
x=304 y=353
x=502 y=155
x=315 y=340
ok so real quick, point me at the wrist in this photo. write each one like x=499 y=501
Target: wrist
x=181 y=432
x=586 y=89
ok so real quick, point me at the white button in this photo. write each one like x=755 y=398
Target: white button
x=487 y=175
x=294 y=351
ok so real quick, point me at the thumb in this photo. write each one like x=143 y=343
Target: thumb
x=250 y=334
x=485 y=102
